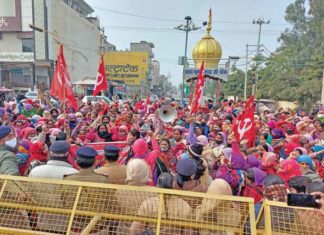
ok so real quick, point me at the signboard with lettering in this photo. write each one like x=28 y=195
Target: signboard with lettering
x=221 y=73
x=127 y=66
x=10 y=15
x=16 y=57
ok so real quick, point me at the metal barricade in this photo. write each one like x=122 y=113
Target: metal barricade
x=278 y=218
x=44 y=206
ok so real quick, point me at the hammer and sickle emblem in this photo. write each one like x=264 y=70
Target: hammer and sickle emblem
x=245 y=127
x=100 y=79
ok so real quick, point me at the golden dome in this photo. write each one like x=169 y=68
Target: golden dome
x=207 y=49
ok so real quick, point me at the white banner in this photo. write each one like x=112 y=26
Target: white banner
x=16 y=57
x=221 y=73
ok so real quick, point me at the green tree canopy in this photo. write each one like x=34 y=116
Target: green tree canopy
x=294 y=72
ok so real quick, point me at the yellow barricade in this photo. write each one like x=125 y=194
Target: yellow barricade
x=44 y=206
x=278 y=218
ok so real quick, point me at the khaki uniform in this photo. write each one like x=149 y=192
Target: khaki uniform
x=116 y=173
x=87 y=175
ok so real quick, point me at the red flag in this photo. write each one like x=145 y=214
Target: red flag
x=244 y=125
x=199 y=88
x=101 y=83
x=148 y=100
x=148 y=103
x=61 y=86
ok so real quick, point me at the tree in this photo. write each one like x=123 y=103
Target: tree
x=294 y=71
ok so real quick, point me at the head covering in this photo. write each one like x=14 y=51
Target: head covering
x=220 y=187
x=269 y=159
x=196 y=150
x=303 y=150
x=79 y=115
x=140 y=147
x=55 y=131
x=138 y=172
x=271 y=124
x=275 y=192
x=37 y=152
x=252 y=161
x=202 y=140
x=309 y=138
x=60 y=147
x=277 y=134
x=28 y=107
x=288 y=169
x=86 y=153
x=111 y=151
x=259 y=176
x=318 y=148
x=186 y=167
x=224 y=137
x=238 y=162
x=24 y=144
x=306 y=159
x=26 y=132
x=224 y=173
x=227 y=153
x=217 y=187
x=35 y=118
x=4 y=131
x=289 y=147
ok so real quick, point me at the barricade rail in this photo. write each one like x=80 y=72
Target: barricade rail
x=45 y=206
x=277 y=218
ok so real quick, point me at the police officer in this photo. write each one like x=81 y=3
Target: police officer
x=57 y=166
x=116 y=173
x=8 y=143
x=86 y=160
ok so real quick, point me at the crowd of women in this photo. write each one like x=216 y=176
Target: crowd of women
x=195 y=152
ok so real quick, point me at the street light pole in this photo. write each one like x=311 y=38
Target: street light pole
x=188 y=19
x=187 y=28
x=34 y=43
x=260 y=22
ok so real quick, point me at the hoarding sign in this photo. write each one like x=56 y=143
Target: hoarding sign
x=127 y=66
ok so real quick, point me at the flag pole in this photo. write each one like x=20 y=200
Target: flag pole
x=64 y=110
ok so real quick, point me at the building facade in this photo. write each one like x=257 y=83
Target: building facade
x=155 y=75
x=57 y=22
x=145 y=46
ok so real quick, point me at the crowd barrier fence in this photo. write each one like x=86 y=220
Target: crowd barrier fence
x=47 y=206
x=276 y=218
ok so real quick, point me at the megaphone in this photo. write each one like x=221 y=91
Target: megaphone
x=167 y=113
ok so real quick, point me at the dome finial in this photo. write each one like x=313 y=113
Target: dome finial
x=209 y=23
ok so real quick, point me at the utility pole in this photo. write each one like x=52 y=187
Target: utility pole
x=34 y=43
x=102 y=40
x=187 y=28
x=246 y=70
x=260 y=22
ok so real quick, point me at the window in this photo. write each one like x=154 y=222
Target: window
x=27 y=45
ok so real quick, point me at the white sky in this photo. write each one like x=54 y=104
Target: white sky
x=232 y=26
